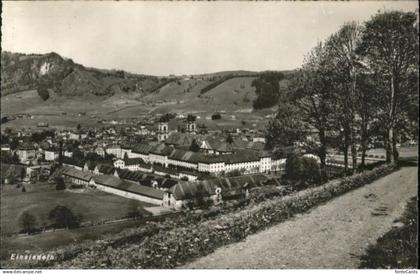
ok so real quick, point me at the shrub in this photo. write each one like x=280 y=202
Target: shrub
x=63 y=217
x=59 y=183
x=216 y=116
x=43 y=93
x=27 y=222
x=302 y=171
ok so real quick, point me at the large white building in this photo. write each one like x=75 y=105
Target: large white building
x=246 y=161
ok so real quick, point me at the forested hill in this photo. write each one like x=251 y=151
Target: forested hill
x=20 y=72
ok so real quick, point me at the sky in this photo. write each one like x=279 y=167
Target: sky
x=161 y=38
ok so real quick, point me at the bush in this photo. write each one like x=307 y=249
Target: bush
x=59 y=183
x=302 y=171
x=43 y=93
x=28 y=222
x=216 y=116
x=63 y=217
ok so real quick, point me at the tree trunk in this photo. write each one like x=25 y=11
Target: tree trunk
x=394 y=148
x=322 y=152
x=346 y=152
x=353 y=153
x=391 y=125
x=346 y=158
x=364 y=148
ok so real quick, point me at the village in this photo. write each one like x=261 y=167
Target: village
x=165 y=168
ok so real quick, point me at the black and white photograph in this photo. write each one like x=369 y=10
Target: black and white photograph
x=217 y=135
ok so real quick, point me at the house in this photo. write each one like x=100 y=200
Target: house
x=114 y=150
x=182 y=194
x=132 y=164
x=68 y=153
x=26 y=152
x=79 y=177
x=215 y=190
x=117 y=186
x=51 y=154
x=70 y=162
x=100 y=151
x=5 y=147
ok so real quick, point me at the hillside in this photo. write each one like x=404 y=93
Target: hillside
x=20 y=72
x=76 y=90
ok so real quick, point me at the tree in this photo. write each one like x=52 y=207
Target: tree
x=59 y=183
x=390 y=50
x=195 y=147
x=302 y=171
x=43 y=92
x=341 y=50
x=310 y=171
x=27 y=222
x=286 y=128
x=11 y=177
x=267 y=88
x=191 y=118
x=78 y=126
x=216 y=116
x=63 y=217
x=312 y=95
x=293 y=167
x=229 y=139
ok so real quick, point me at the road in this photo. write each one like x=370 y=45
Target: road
x=332 y=235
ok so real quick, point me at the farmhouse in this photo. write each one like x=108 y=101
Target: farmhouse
x=215 y=190
x=78 y=177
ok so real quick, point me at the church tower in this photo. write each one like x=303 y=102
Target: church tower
x=163 y=131
x=191 y=126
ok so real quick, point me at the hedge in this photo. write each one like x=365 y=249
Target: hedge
x=169 y=246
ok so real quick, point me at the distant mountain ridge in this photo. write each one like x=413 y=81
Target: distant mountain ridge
x=49 y=83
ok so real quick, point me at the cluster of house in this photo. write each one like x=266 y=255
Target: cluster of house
x=174 y=194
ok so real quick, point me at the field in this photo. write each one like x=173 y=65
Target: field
x=39 y=199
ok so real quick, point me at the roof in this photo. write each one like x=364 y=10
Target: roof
x=187 y=190
x=105 y=169
x=114 y=182
x=26 y=147
x=73 y=162
x=78 y=174
x=249 y=181
x=162 y=149
x=133 y=161
x=143 y=148
x=185 y=155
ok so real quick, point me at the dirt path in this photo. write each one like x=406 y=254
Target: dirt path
x=329 y=236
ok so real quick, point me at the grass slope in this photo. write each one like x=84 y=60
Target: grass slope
x=398 y=248
x=91 y=205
